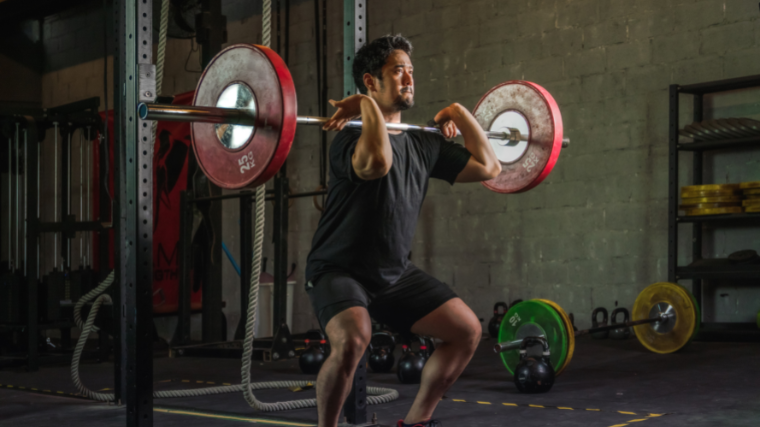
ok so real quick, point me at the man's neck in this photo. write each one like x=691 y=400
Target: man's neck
x=393 y=117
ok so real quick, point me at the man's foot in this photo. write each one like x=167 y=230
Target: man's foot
x=428 y=423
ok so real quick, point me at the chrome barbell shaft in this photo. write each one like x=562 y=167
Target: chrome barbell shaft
x=235 y=116
x=310 y=120
x=661 y=318
x=514 y=345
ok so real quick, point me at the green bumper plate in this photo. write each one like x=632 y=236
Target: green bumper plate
x=531 y=318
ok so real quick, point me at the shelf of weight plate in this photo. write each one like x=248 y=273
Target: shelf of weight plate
x=737 y=202
x=716 y=134
x=719 y=144
x=718 y=268
x=745 y=216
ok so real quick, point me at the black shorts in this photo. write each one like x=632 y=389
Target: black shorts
x=415 y=295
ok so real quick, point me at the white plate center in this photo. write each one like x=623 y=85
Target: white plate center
x=507 y=151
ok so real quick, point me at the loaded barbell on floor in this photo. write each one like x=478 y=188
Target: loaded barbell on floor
x=665 y=318
x=244 y=116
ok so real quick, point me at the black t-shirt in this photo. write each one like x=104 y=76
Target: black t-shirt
x=367 y=227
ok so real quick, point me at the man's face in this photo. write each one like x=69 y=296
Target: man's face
x=395 y=92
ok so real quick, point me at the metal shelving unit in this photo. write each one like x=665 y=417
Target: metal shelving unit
x=710 y=270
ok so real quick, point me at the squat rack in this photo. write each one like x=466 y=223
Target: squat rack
x=31 y=126
x=135 y=82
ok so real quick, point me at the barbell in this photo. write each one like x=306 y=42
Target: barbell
x=244 y=116
x=665 y=318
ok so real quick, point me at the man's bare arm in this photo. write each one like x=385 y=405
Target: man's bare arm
x=483 y=165
x=373 y=156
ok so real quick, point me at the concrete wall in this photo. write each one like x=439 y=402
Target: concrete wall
x=25 y=91
x=594 y=233
x=20 y=65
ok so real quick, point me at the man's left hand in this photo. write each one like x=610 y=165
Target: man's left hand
x=445 y=118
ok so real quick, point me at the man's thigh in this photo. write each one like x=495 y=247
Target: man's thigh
x=333 y=293
x=451 y=322
x=414 y=296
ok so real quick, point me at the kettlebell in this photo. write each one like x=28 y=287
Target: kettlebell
x=381 y=348
x=596 y=324
x=623 y=332
x=409 y=369
x=427 y=347
x=499 y=309
x=572 y=321
x=313 y=357
x=534 y=374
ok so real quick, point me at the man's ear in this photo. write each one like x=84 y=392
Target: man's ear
x=369 y=82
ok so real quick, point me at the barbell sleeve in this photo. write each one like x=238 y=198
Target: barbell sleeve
x=506 y=346
x=518 y=344
x=188 y=113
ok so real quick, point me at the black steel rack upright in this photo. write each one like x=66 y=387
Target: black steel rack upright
x=699 y=273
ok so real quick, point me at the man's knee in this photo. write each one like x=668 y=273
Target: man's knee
x=350 y=347
x=472 y=333
x=467 y=333
x=349 y=333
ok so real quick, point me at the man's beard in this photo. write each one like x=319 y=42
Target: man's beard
x=402 y=104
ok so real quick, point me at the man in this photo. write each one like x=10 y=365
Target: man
x=359 y=262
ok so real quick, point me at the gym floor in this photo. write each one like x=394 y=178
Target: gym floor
x=608 y=383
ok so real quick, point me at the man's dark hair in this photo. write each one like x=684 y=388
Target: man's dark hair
x=373 y=55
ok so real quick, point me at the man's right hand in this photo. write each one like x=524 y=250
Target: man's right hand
x=348 y=109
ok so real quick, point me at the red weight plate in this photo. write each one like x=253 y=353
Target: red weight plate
x=525 y=166
x=261 y=156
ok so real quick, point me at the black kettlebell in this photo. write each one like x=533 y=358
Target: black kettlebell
x=499 y=309
x=409 y=369
x=572 y=321
x=313 y=357
x=381 y=348
x=427 y=347
x=595 y=324
x=623 y=332
x=534 y=374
